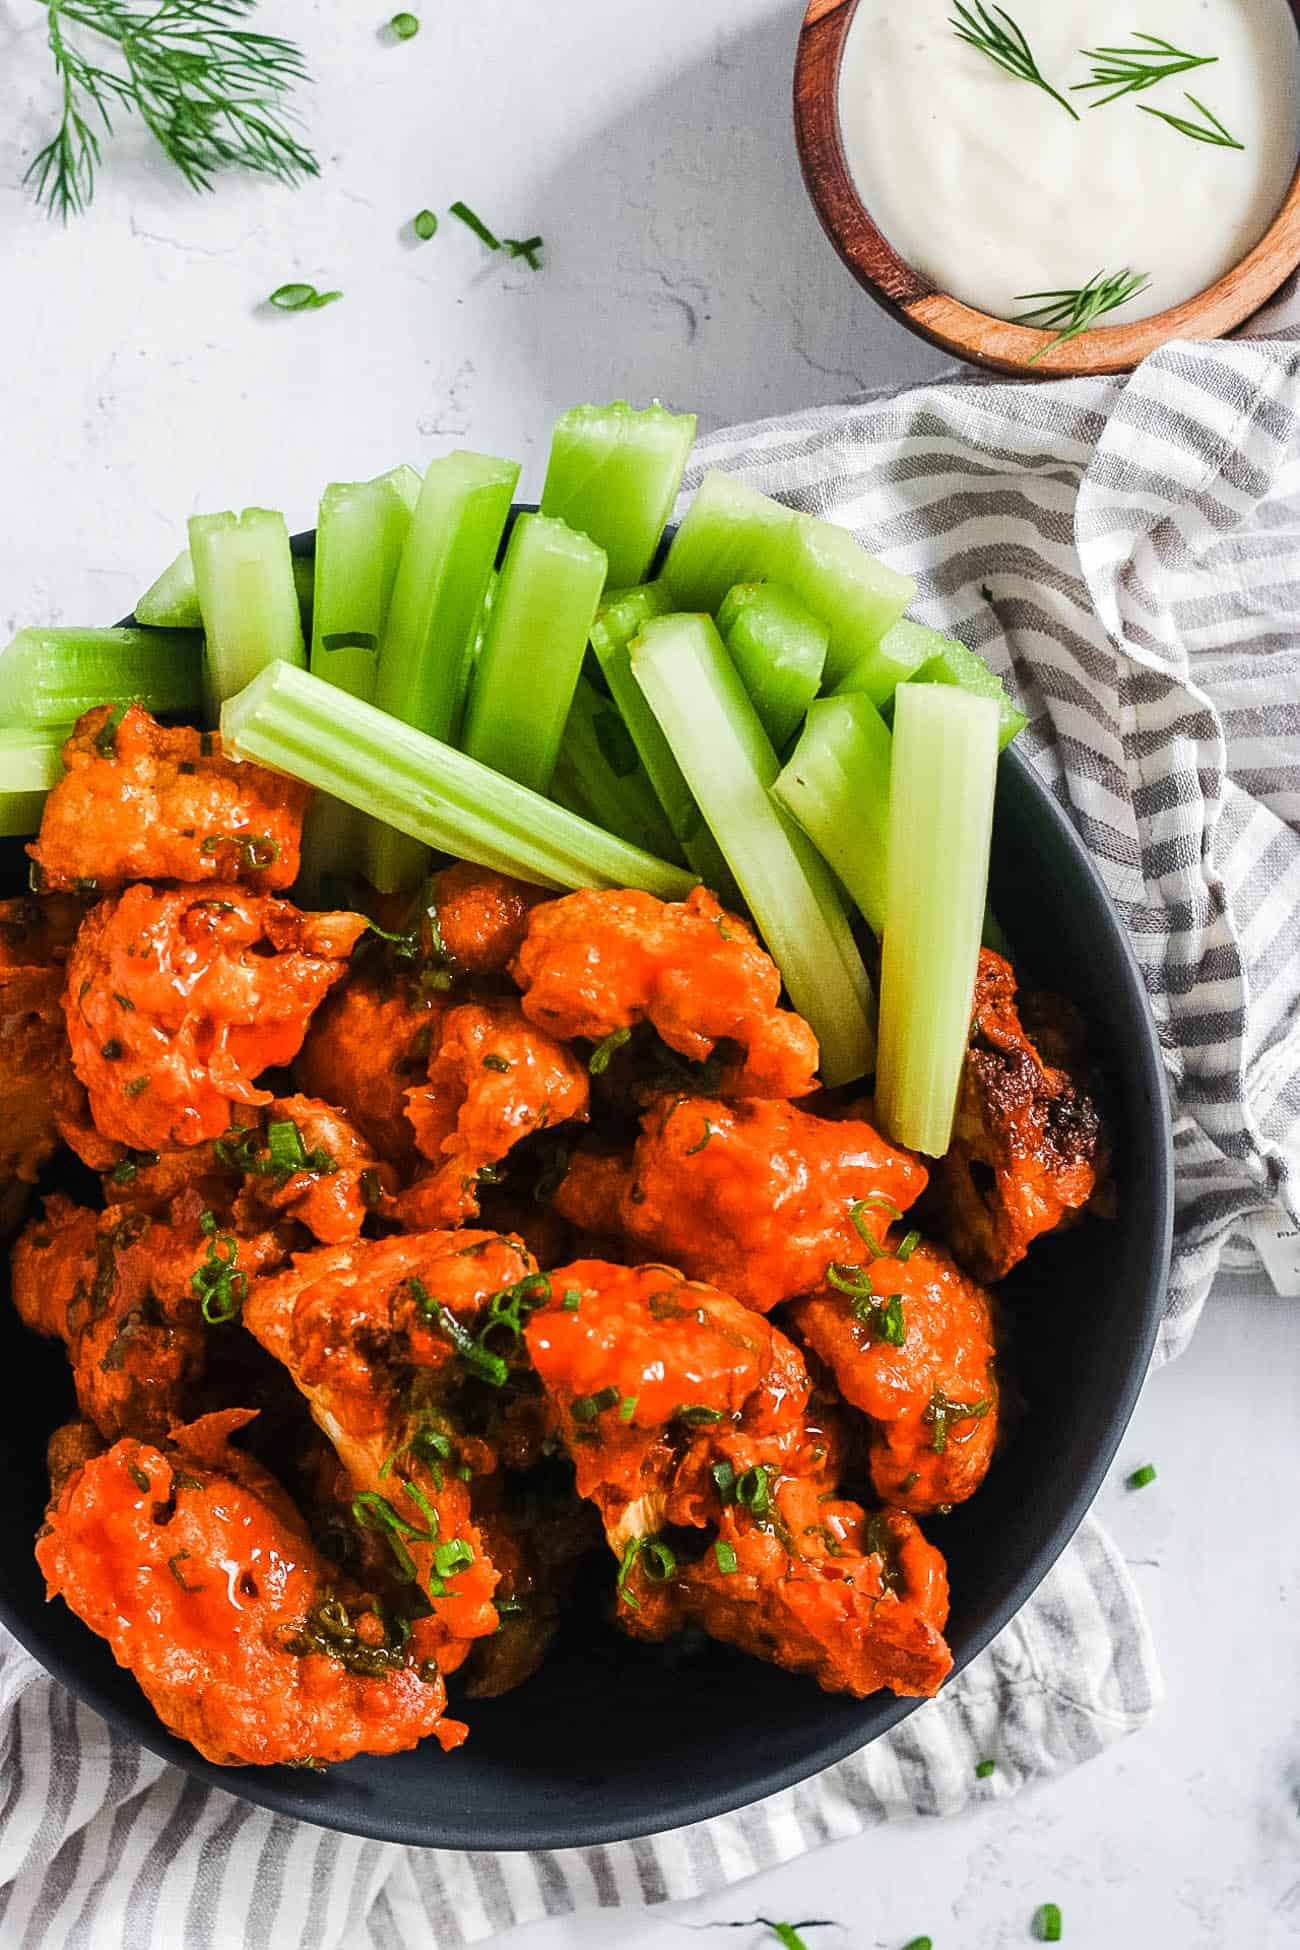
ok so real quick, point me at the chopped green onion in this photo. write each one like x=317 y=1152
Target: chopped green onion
x=1141 y=1477
x=247 y=595
x=729 y=534
x=452 y=1557
x=529 y=248
x=836 y=784
x=627 y=1407
x=753 y=1489
x=631 y=1552
x=726 y=1556
x=696 y=1414
x=572 y=1299
x=659 y=1561
x=985 y=1769
x=1047 y=1923
x=587 y=1408
x=614 y=473
x=301 y=297
x=940 y=826
x=292 y=721
x=476 y=224
x=49 y=677
x=405 y=26
x=693 y=1149
x=601 y=1057
x=622 y=617
x=728 y=762
x=920 y=1943
x=779 y=649
x=533 y=646
x=31 y=762
x=599 y=776
x=106 y=737
x=429 y=633
x=425 y=226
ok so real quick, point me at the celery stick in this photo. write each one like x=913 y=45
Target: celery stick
x=427 y=645
x=857 y=597
x=721 y=746
x=450 y=550
x=613 y=474
x=898 y=655
x=620 y=619
x=779 y=648
x=49 y=677
x=836 y=785
x=730 y=533
x=533 y=647
x=247 y=595
x=31 y=761
x=360 y=531
x=289 y=719
x=600 y=775
x=172 y=602
x=953 y=663
x=940 y=825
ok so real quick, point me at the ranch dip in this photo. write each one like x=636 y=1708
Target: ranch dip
x=988 y=187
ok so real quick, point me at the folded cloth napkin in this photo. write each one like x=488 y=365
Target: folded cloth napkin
x=1122 y=550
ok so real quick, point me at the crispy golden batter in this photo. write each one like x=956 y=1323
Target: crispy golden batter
x=594 y=963
x=925 y=1452
x=144 y=801
x=494 y=1078
x=1026 y=1138
x=195 y=1567
x=481 y=918
x=178 y=999
x=755 y=1196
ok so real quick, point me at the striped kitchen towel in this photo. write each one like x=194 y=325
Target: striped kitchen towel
x=1123 y=550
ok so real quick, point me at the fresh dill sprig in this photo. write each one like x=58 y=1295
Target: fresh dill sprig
x=210 y=92
x=1128 y=70
x=1004 y=42
x=1069 y=313
x=1211 y=130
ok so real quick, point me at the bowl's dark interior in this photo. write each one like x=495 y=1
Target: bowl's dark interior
x=612 y=1740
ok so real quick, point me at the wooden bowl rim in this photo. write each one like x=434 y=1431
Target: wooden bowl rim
x=961 y=329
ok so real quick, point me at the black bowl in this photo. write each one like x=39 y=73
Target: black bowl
x=613 y=1740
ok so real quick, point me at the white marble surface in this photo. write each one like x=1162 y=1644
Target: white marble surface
x=143 y=378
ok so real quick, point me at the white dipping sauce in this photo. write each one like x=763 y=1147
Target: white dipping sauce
x=987 y=186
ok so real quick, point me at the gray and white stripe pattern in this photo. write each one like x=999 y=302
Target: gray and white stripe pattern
x=1137 y=538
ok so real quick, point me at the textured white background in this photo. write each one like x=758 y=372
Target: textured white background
x=143 y=378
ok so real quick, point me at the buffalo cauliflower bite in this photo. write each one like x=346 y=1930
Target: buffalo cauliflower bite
x=144 y=801
x=818 y=1586
x=912 y=1348
x=126 y=1293
x=755 y=1196
x=177 y=1000
x=493 y=1078
x=595 y=963
x=37 y=1085
x=370 y=1333
x=684 y=1411
x=368 y=1044
x=196 y=1568
x=303 y=1160
x=475 y=920
x=1026 y=1140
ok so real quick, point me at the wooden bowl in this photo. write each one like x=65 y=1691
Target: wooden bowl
x=960 y=329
